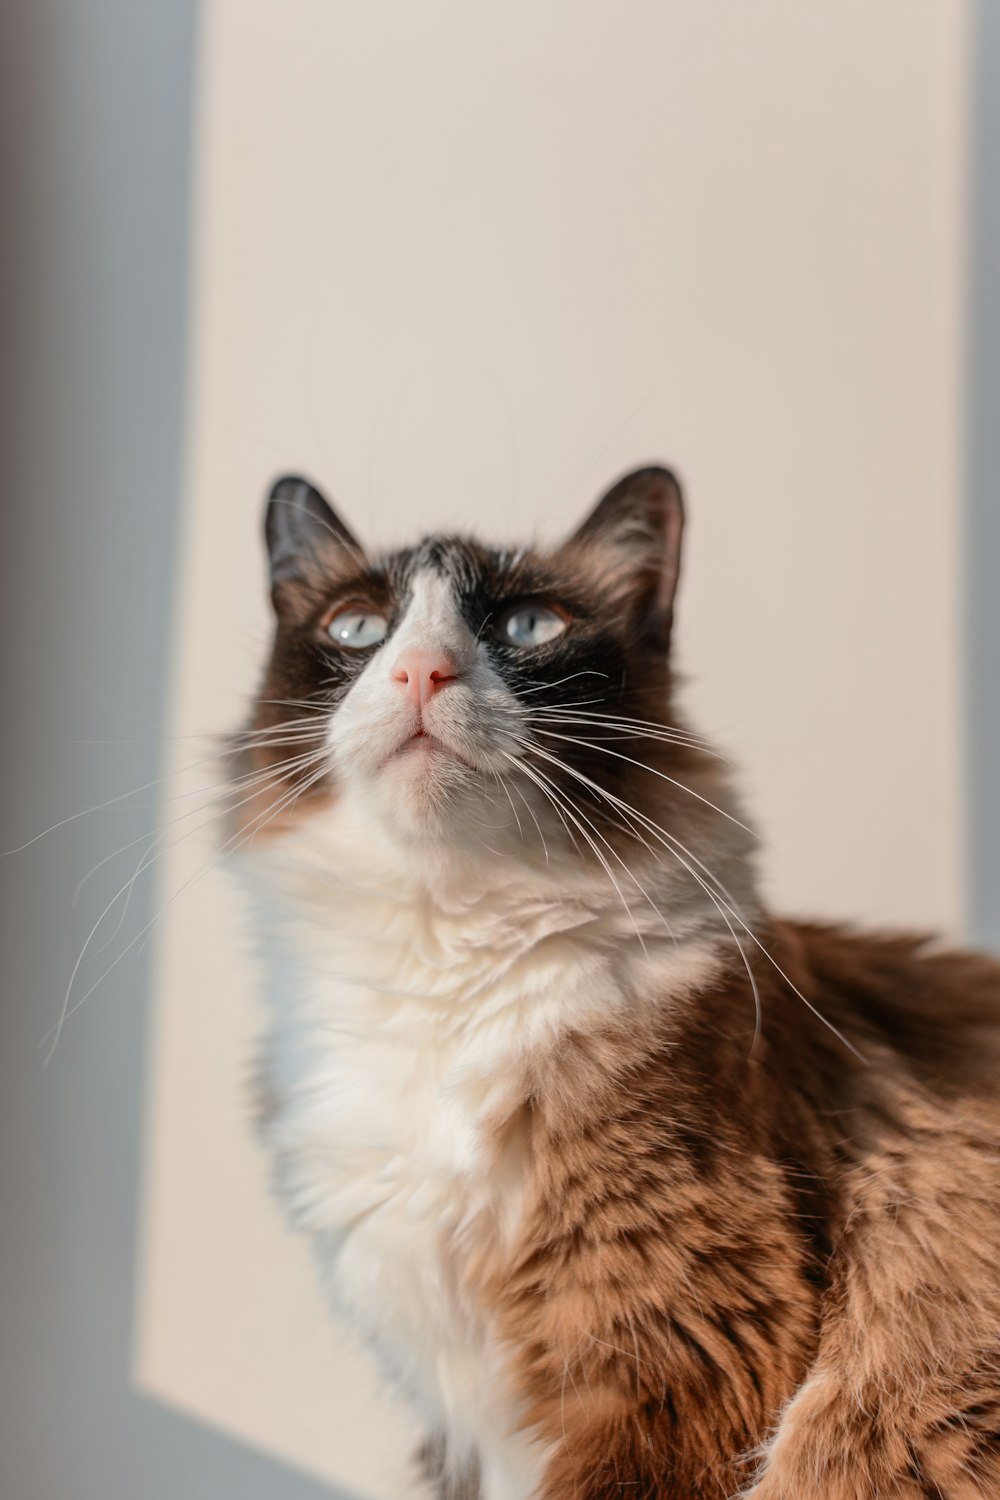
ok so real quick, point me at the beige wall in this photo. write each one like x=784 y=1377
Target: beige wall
x=464 y=263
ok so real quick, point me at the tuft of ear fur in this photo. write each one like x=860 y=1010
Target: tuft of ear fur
x=634 y=532
x=302 y=531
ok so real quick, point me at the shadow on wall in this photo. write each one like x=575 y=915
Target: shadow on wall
x=95 y=104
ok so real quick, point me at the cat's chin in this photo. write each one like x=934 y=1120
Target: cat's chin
x=426 y=790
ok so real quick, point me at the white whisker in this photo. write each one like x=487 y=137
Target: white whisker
x=587 y=745
x=541 y=687
x=682 y=854
x=534 y=819
x=68 y=1010
x=533 y=772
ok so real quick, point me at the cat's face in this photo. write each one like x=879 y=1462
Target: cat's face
x=461 y=691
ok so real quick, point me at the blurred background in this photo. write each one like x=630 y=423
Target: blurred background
x=461 y=265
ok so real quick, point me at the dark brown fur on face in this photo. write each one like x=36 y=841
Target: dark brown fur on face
x=759 y=1253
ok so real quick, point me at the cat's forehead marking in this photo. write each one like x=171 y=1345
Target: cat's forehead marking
x=431 y=598
x=469 y=566
x=431 y=615
x=447 y=557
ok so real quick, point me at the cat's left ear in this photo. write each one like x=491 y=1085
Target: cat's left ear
x=634 y=535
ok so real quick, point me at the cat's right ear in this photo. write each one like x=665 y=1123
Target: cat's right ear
x=306 y=539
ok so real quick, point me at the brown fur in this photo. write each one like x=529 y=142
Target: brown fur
x=710 y=1232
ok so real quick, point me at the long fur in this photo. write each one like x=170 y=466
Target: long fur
x=633 y=1189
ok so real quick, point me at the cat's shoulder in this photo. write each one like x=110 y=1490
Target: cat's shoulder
x=933 y=1004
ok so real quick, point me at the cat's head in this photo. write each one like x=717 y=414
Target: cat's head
x=461 y=692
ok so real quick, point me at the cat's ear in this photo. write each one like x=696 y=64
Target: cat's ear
x=306 y=539
x=634 y=534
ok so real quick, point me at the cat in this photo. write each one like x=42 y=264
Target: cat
x=632 y=1188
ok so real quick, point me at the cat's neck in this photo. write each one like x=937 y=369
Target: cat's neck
x=343 y=870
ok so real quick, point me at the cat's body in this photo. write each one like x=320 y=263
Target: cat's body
x=632 y=1190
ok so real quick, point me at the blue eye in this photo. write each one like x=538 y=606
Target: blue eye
x=357 y=629
x=530 y=625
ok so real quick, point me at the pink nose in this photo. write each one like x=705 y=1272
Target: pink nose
x=421 y=673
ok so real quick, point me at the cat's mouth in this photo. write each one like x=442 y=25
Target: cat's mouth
x=423 y=743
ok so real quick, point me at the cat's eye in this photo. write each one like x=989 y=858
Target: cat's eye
x=357 y=629
x=530 y=624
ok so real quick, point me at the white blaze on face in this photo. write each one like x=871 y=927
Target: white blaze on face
x=470 y=720
x=433 y=622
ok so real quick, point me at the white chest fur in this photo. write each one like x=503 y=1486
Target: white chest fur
x=401 y=1031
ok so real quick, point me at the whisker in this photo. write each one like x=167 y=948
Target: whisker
x=586 y=745
x=674 y=845
x=534 y=819
x=56 y=1031
x=554 y=761
x=558 y=708
x=306 y=727
x=563 y=708
x=597 y=852
x=103 y=806
x=68 y=1010
x=150 y=842
x=316 y=703
x=233 y=783
x=549 y=798
x=626 y=810
x=569 y=712
x=121 y=798
x=517 y=820
x=542 y=686
x=609 y=731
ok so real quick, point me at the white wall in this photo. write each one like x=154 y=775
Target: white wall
x=463 y=264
